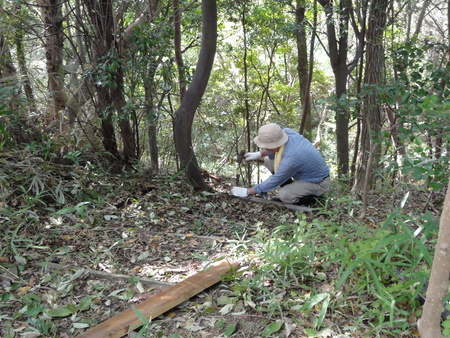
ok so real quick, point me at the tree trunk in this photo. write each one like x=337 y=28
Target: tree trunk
x=177 y=45
x=338 y=52
x=302 y=68
x=100 y=13
x=430 y=323
x=110 y=96
x=8 y=74
x=152 y=122
x=54 y=43
x=370 y=147
x=126 y=132
x=24 y=73
x=185 y=114
x=77 y=97
x=246 y=101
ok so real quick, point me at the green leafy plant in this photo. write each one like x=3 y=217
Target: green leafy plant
x=385 y=264
x=43 y=149
x=145 y=327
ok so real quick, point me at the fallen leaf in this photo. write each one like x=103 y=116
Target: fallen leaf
x=23 y=290
x=59 y=312
x=226 y=309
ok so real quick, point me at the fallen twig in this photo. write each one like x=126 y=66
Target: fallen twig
x=208 y=238
x=104 y=275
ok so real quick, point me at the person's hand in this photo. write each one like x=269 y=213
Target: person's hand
x=252 y=156
x=239 y=192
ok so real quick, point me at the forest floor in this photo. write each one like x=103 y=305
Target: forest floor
x=57 y=217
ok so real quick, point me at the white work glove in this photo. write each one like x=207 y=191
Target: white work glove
x=252 y=156
x=239 y=192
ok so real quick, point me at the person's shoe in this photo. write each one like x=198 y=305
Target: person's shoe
x=309 y=200
x=276 y=199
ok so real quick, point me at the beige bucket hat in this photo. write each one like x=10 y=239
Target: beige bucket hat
x=270 y=136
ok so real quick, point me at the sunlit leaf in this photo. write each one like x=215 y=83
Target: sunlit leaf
x=230 y=329
x=59 y=312
x=272 y=328
x=226 y=309
x=80 y=325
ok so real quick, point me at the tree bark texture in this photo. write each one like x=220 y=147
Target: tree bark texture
x=8 y=73
x=247 y=117
x=429 y=324
x=152 y=122
x=338 y=53
x=100 y=13
x=302 y=68
x=185 y=115
x=371 y=112
x=110 y=96
x=54 y=43
x=118 y=98
x=177 y=45
x=24 y=72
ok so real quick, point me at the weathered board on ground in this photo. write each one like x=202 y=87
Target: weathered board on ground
x=294 y=207
x=161 y=302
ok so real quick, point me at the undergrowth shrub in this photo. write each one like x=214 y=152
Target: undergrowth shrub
x=329 y=266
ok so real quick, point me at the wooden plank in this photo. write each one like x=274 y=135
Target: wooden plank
x=161 y=302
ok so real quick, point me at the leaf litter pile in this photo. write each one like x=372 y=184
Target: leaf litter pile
x=78 y=248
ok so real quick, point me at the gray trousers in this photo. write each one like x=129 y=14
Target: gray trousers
x=291 y=193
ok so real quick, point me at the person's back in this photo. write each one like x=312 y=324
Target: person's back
x=301 y=154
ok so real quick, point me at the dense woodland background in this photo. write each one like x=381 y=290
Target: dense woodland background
x=176 y=89
x=106 y=77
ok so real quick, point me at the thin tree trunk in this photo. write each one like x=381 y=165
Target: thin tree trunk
x=8 y=74
x=302 y=68
x=110 y=96
x=54 y=43
x=152 y=122
x=185 y=115
x=246 y=93
x=177 y=43
x=371 y=121
x=24 y=73
x=100 y=13
x=358 y=92
x=430 y=323
x=128 y=137
x=338 y=53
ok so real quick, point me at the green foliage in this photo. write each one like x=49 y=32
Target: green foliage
x=144 y=327
x=446 y=322
x=421 y=92
x=4 y=134
x=271 y=329
x=389 y=264
x=106 y=71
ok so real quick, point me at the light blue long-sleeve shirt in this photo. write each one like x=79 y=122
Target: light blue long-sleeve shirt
x=300 y=160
